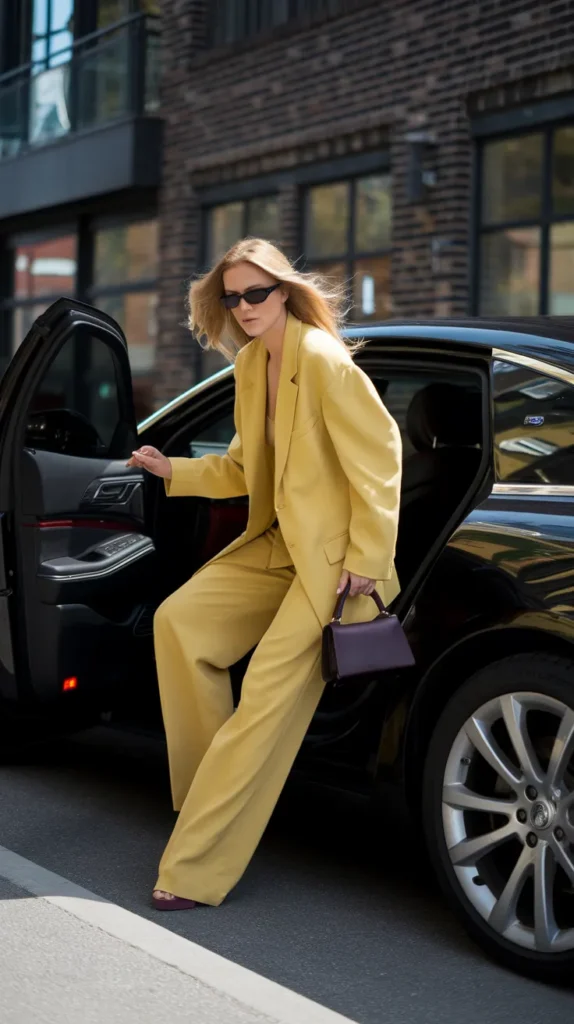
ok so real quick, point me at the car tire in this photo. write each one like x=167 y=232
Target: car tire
x=513 y=891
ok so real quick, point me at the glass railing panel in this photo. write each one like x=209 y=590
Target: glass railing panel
x=49 y=116
x=103 y=81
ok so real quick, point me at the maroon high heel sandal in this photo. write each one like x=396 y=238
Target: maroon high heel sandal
x=176 y=903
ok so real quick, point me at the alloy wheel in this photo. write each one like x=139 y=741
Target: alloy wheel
x=508 y=818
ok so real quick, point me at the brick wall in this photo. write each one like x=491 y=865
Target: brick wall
x=302 y=92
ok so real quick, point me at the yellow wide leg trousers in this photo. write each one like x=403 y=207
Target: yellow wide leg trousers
x=228 y=767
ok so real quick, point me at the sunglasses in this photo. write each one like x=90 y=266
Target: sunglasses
x=254 y=297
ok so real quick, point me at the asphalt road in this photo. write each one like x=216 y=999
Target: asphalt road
x=328 y=907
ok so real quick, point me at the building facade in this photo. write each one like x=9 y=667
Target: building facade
x=80 y=167
x=421 y=151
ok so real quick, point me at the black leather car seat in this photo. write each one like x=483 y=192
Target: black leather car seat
x=444 y=425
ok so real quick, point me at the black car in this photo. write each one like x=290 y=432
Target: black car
x=477 y=742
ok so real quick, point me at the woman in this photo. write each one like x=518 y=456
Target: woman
x=320 y=459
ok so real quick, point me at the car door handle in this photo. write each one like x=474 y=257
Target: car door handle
x=115 y=492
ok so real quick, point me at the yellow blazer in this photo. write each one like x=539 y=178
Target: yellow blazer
x=337 y=466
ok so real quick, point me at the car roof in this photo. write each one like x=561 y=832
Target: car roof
x=549 y=338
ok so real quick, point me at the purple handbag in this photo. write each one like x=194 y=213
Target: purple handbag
x=363 y=648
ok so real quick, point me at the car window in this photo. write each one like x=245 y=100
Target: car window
x=426 y=401
x=214 y=439
x=397 y=390
x=533 y=426
x=75 y=409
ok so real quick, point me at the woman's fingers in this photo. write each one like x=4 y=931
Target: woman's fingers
x=361 y=585
x=343 y=581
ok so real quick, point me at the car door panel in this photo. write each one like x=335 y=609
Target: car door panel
x=83 y=564
x=58 y=485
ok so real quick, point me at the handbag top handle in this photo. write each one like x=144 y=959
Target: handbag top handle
x=343 y=597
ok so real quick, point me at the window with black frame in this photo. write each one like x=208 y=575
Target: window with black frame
x=347 y=237
x=228 y=222
x=526 y=224
x=44 y=267
x=124 y=285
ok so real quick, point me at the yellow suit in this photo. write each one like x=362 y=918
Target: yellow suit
x=335 y=492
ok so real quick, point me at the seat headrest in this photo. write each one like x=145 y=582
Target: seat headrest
x=444 y=414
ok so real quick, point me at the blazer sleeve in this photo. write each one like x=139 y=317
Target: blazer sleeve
x=368 y=444
x=211 y=476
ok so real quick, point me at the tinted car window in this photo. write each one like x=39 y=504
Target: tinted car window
x=416 y=400
x=215 y=439
x=533 y=426
x=76 y=408
x=397 y=390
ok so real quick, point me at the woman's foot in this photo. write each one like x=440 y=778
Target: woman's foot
x=162 y=900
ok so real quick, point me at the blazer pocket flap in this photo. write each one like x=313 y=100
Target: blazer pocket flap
x=305 y=427
x=336 y=549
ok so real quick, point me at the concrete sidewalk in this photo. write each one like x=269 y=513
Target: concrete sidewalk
x=68 y=957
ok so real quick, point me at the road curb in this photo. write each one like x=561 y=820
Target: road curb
x=254 y=991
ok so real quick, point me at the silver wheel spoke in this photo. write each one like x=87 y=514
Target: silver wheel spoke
x=470 y=851
x=545 y=927
x=562 y=750
x=564 y=858
x=458 y=796
x=567 y=801
x=478 y=734
x=514 y=715
x=503 y=914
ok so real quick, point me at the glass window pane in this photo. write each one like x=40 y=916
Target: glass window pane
x=510 y=272
x=561 y=288
x=61 y=15
x=46 y=267
x=373 y=213
x=126 y=252
x=372 y=289
x=534 y=426
x=215 y=438
x=22 y=319
x=263 y=217
x=40 y=17
x=60 y=44
x=328 y=220
x=336 y=272
x=563 y=171
x=136 y=313
x=225 y=228
x=39 y=51
x=79 y=385
x=512 y=179
x=103 y=80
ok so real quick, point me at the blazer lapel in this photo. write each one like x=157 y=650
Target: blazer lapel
x=286 y=395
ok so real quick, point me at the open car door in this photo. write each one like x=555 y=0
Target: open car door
x=76 y=561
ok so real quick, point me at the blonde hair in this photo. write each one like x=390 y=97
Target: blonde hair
x=312 y=299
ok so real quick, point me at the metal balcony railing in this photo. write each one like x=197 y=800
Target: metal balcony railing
x=102 y=77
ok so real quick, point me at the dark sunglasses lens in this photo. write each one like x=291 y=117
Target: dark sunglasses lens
x=255 y=297
x=230 y=301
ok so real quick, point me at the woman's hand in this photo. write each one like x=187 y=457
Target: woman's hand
x=359 y=584
x=152 y=460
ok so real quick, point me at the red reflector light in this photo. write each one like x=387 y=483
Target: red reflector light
x=70 y=684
